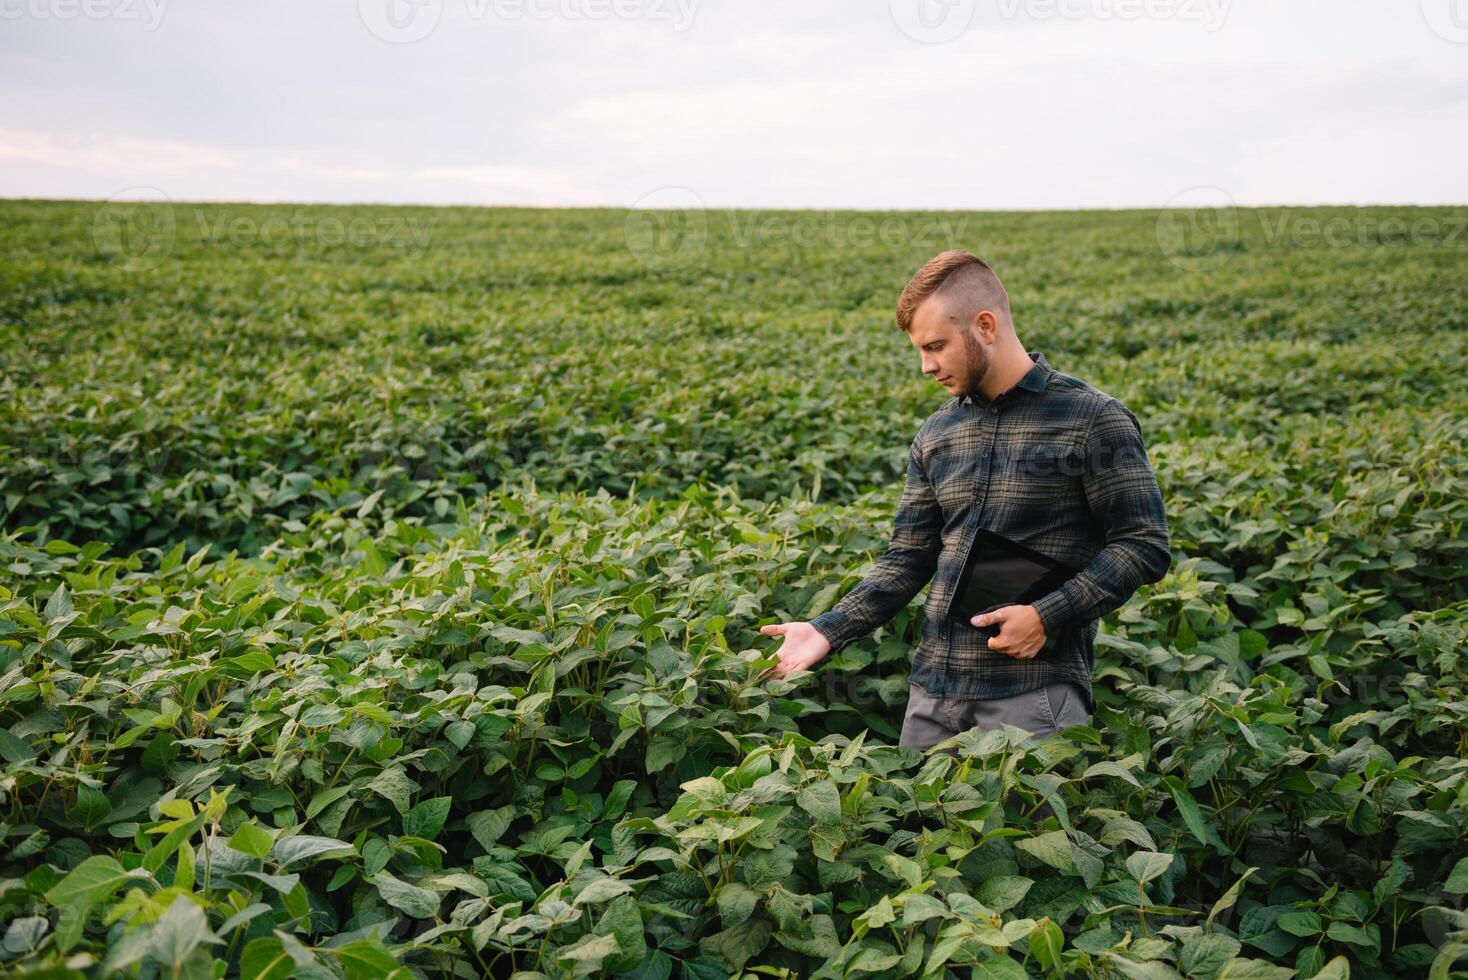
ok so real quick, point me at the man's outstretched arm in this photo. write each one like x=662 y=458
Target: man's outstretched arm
x=901 y=572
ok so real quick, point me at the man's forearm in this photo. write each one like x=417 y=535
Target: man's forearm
x=1107 y=582
x=901 y=572
x=886 y=591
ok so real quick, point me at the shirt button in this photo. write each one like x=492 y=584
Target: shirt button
x=993 y=411
x=986 y=454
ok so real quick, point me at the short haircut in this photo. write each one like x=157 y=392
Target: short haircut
x=963 y=283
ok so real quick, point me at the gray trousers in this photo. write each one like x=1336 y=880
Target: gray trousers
x=1041 y=712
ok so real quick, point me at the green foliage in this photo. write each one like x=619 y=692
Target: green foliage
x=369 y=615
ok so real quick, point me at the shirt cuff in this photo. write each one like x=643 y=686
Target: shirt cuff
x=1055 y=612
x=833 y=626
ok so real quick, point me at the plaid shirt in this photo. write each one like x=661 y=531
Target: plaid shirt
x=1052 y=464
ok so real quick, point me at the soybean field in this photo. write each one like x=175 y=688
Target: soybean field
x=380 y=591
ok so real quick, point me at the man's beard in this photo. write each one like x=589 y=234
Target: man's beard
x=976 y=360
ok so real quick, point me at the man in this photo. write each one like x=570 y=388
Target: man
x=1042 y=460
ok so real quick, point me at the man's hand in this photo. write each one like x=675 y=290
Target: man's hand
x=804 y=647
x=1021 y=633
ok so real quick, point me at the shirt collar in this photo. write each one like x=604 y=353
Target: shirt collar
x=1035 y=379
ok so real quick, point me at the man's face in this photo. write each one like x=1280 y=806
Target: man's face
x=955 y=358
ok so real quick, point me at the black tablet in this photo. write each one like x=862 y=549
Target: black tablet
x=1000 y=572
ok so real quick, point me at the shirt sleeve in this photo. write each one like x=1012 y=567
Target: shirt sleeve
x=901 y=572
x=1126 y=503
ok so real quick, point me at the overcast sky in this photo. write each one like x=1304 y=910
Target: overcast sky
x=963 y=104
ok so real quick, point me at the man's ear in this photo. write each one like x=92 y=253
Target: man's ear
x=986 y=325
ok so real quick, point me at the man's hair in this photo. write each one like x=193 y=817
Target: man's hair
x=963 y=283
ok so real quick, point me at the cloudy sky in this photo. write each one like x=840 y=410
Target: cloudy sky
x=964 y=104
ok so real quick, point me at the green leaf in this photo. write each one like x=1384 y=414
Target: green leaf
x=1457 y=882
x=252 y=839
x=1109 y=767
x=1003 y=892
x=265 y=958
x=623 y=919
x=919 y=908
x=420 y=903
x=822 y=801
x=394 y=785
x=321 y=716
x=736 y=902
x=1344 y=932
x=87 y=884
x=1205 y=954
x=252 y=662
x=488 y=826
x=1229 y=897
x=1188 y=807
x=367 y=960
x=879 y=914
x=459 y=733
x=160 y=852
x=306 y=848
x=324 y=799
x=1301 y=922
x=427 y=818
x=1338 y=968
x=1053 y=848
x=1141 y=969
x=23 y=935
x=179 y=932
x=998 y=968
x=59 y=605
x=1247 y=969
x=1146 y=865
x=602 y=888
x=617 y=799
x=91 y=807
x=589 y=951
